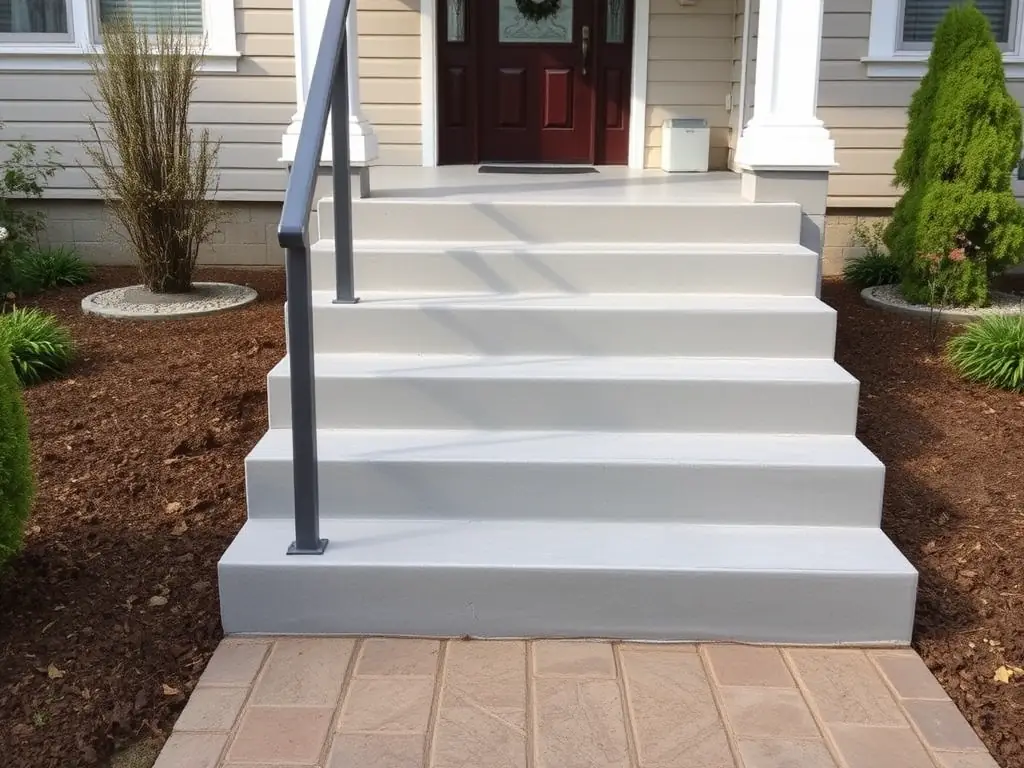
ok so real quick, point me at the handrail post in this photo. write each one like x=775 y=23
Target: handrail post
x=293 y=235
x=306 y=485
x=342 y=181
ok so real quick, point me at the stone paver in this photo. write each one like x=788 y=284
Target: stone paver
x=396 y=703
x=481 y=720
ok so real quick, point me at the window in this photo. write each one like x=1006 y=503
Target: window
x=920 y=19
x=44 y=20
x=902 y=31
x=152 y=13
x=49 y=35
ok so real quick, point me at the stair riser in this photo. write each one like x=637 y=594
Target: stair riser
x=467 y=271
x=376 y=328
x=572 y=404
x=568 y=222
x=694 y=493
x=302 y=596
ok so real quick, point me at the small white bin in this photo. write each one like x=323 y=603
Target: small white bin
x=685 y=145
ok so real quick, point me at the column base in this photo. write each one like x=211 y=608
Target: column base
x=363 y=147
x=785 y=147
x=809 y=188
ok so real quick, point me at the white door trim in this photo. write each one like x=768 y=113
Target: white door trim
x=638 y=82
x=428 y=81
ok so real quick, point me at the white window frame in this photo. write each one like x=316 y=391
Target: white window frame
x=886 y=58
x=35 y=55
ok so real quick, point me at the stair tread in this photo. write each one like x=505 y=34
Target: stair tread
x=428 y=366
x=555 y=447
x=701 y=302
x=485 y=246
x=570 y=546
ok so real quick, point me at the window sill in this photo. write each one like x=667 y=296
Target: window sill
x=913 y=66
x=72 y=58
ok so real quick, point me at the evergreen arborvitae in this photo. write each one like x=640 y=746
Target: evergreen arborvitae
x=16 y=487
x=958 y=220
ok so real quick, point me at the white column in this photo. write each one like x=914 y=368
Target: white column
x=784 y=132
x=308 y=22
x=362 y=140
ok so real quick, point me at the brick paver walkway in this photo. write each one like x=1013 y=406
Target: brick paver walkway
x=384 y=703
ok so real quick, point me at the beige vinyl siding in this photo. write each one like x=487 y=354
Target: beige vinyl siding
x=389 y=77
x=690 y=71
x=867 y=116
x=248 y=109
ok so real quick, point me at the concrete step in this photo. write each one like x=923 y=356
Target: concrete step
x=584 y=476
x=611 y=394
x=414 y=266
x=657 y=581
x=699 y=325
x=586 y=221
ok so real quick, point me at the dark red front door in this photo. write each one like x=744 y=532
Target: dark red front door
x=538 y=95
x=555 y=91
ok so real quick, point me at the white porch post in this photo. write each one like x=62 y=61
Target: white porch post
x=308 y=21
x=785 y=151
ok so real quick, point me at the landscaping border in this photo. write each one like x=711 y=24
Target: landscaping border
x=887 y=297
x=136 y=303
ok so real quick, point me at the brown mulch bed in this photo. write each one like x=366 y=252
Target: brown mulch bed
x=139 y=460
x=954 y=504
x=138 y=456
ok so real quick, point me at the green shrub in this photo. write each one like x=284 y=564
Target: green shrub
x=991 y=351
x=39 y=270
x=876 y=266
x=40 y=347
x=23 y=176
x=958 y=221
x=16 y=487
x=156 y=172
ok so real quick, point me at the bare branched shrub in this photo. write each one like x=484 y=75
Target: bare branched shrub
x=157 y=176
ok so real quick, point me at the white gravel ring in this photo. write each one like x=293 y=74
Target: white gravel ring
x=889 y=298
x=135 y=302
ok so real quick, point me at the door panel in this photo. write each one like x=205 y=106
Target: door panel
x=511 y=99
x=516 y=91
x=558 y=101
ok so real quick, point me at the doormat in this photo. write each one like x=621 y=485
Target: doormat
x=540 y=170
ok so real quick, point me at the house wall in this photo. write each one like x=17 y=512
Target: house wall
x=867 y=116
x=690 y=71
x=247 y=110
x=389 y=77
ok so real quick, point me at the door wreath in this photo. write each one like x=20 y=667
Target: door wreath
x=538 y=10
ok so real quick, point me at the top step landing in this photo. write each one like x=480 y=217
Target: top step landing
x=611 y=205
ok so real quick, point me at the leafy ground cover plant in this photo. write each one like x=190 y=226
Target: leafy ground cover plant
x=45 y=268
x=876 y=266
x=991 y=351
x=39 y=346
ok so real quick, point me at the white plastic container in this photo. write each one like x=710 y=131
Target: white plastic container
x=685 y=145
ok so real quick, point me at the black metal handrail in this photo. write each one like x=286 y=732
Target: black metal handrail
x=328 y=94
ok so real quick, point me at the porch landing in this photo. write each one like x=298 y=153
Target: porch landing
x=610 y=184
x=389 y=703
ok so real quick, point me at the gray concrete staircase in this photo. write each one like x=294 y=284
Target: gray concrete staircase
x=569 y=419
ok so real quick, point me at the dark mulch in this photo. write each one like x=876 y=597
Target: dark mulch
x=139 y=458
x=954 y=504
